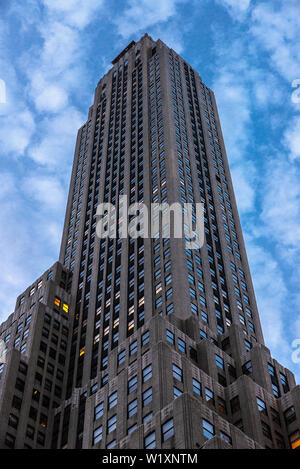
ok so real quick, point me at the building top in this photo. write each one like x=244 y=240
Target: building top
x=123 y=52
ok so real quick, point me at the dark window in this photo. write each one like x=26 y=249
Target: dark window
x=235 y=404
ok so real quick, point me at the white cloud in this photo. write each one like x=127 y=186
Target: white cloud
x=46 y=190
x=292 y=137
x=16 y=130
x=76 y=13
x=281 y=205
x=52 y=98
x=142 y=14
x=237 y=8
x=271 y=296
x=57 y=139
x=276 y=28
x=243 y=182
x=233 y=100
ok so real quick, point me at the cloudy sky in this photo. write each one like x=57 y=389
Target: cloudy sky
x=52 y=54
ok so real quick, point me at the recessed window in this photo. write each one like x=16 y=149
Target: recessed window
x=167 y=430
x=177 y=373
x=150 y=441
x=208 y=429
x=97 y=434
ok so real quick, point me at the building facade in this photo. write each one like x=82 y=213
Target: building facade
x=142 y=342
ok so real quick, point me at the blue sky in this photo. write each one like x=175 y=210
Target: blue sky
x=52 y=54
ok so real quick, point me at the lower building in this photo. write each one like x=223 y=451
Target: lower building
x=175 y=386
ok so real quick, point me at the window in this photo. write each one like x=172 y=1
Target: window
x=121 y=357
x=284 y=382
x=147 y=417
x=133 y=348
x=197 y=387
x=235 y=404
x=10 y=440
x=147 y=397
x=276 y=391
x=20 y=384
x=33 y=413
x=112 y=424
x=181 y=345
x=149 y=441
x=176 y=392
x=132 y=408
x=177 y=373
x=248 y=345
x=112 y=444
x=113 y=400
x=132 y=384
x=221 y=406
x=98 y=411
x=226 y=437
x=220 y=362
x=43 y=420
x=261 y=406
x=145 y=338
x=209 y=396
x=290 y=415
x=170 y=337
x=13 y=421
x=167 y=430
x=266 y=430
x=275 y=416
x=57 y=301
x=35 y=395
x=131 y=429
x=295 y=439
x=247 y=368
x=30 y=432
x=147 y=373
x=208 y=429
x=97 y=435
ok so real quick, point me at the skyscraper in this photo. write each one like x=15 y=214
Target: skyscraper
x=143 y=342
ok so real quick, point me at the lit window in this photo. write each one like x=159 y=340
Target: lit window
x=57 y=301
x=295 y=439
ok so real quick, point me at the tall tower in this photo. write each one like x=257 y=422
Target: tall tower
x=165 y=347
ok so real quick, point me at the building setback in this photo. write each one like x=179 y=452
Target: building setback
x=145 y=343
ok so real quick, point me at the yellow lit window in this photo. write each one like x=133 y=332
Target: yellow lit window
x=66 y=307
x=130 y=325
x=106 y=331
x=56 y=301
x=82 y=351
x=295 y=440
